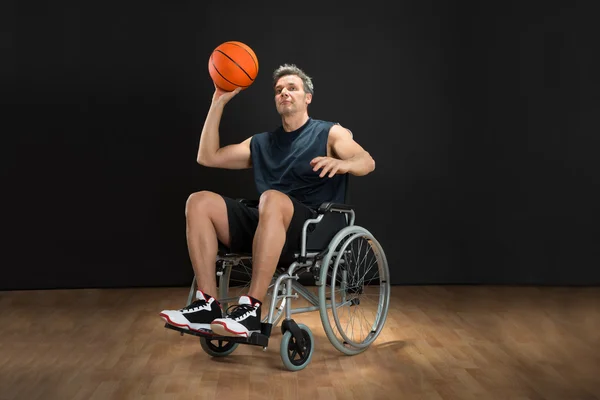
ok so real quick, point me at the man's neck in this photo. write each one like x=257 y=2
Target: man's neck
x=292 y=122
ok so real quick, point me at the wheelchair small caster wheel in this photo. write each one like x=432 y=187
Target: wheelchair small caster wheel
x=217 y=348
x=296 y=356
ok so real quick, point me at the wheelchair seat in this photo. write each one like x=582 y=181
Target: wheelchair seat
x=318 y=235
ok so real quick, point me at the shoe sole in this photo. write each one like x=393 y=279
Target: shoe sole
x=206 y=331
x=221 y=329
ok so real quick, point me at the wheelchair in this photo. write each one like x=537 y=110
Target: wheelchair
x=340 y=261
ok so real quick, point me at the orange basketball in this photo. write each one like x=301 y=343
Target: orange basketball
x=232 y=65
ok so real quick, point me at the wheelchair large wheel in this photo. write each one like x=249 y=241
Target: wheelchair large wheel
x=235 y=281
x=354 y=290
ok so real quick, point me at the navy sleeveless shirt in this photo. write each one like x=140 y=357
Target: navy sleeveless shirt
x=281 y=161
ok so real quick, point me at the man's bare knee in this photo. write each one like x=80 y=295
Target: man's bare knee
x=206 y=206
x=197 y=202
x=275 y=203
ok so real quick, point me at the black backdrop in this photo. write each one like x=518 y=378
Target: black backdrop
x=482 y=120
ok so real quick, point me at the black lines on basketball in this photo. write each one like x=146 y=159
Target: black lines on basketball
x=225 y=78
x=246 y=50
x=238 y=65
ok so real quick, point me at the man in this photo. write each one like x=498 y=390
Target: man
x=296 y=167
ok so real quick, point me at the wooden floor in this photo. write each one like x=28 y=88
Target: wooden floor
x=448 y=342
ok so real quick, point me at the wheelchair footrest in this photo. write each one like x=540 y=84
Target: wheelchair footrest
x=256 y=339
x=205 y=334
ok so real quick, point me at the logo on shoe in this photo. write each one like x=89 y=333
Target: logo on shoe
x=247 y=314
x=206 y=306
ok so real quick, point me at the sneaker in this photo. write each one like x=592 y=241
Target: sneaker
x=197 y=316
x=241 y=320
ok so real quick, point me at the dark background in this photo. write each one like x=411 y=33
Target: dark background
x=482 y=120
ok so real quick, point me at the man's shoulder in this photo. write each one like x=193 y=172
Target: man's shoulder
x=322 y=126
x=261 y=135
x=333 y=126
x=322 y=122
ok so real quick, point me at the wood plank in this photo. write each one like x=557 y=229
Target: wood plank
x=440 y=342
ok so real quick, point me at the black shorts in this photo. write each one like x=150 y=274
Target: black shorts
x=243 y=221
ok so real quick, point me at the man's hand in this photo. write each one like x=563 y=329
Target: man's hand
x=222 y=96
x=330 y=165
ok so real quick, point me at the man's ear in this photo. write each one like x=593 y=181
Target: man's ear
x=308 y=98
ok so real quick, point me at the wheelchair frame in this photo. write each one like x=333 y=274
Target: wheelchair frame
x=297 y=338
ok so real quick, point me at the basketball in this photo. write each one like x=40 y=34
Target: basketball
x=232 y=65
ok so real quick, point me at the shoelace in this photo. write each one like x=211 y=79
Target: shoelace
x=197 y=303
x=237 y=310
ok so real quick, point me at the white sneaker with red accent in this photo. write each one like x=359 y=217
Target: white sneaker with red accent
x=241 y=320
x=197 y=316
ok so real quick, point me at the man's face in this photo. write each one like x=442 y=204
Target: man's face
x=290 y=96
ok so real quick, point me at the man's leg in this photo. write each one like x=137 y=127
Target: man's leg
x=275 y=212
x=206 y=222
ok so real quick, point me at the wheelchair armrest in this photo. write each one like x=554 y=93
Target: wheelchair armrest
x=249 y=202
x=339 y=207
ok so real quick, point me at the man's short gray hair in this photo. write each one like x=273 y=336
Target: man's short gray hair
x=291 y=69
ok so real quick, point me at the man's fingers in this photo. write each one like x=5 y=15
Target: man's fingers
x=320 y=164
x=331 y=168
x=315 y=160
x=324 y=172
x=334 y=171
x=234 y=92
